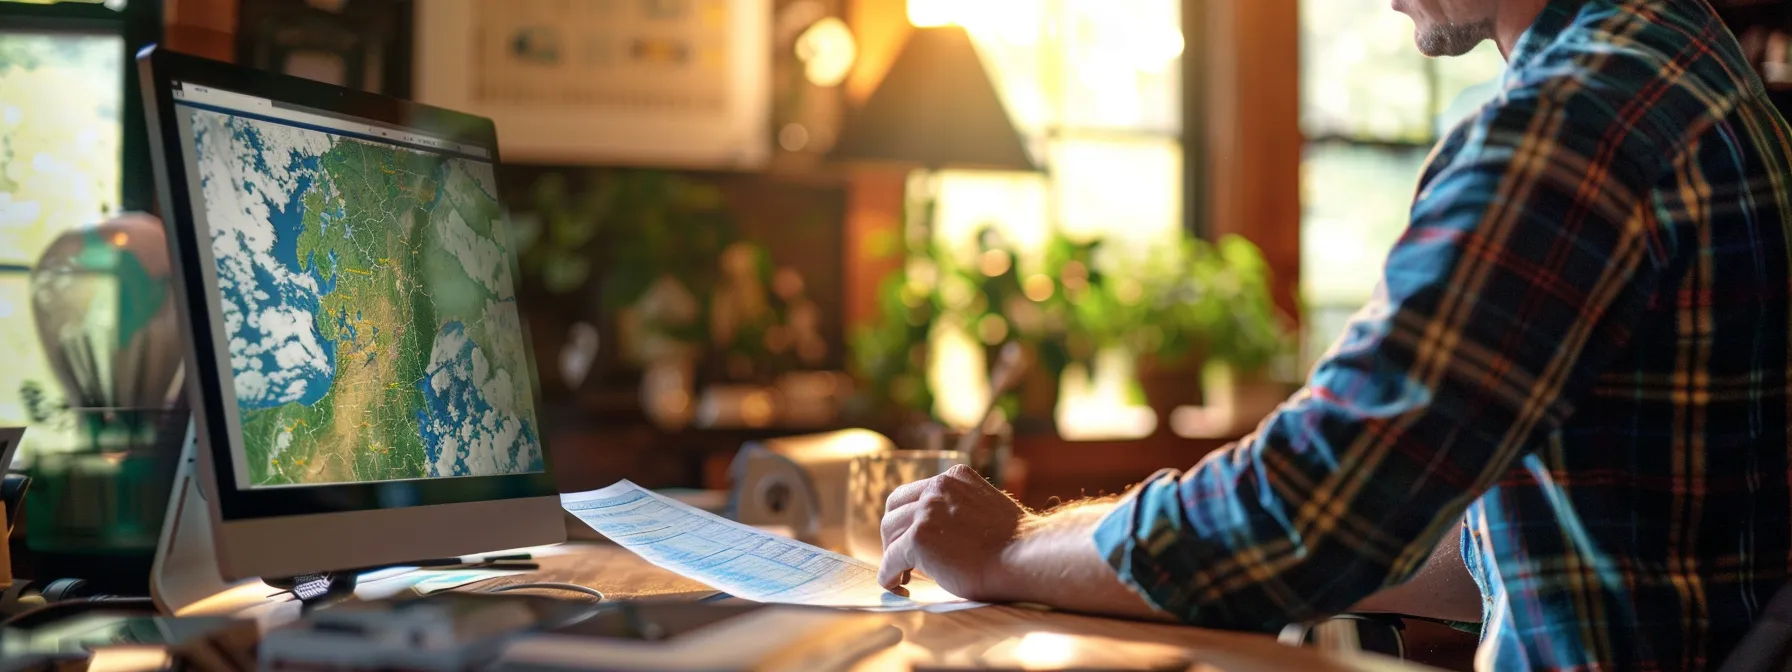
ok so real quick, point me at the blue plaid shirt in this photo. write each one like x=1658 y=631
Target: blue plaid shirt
x=1577 y=361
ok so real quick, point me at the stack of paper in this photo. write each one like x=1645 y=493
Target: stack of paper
x=740 y=560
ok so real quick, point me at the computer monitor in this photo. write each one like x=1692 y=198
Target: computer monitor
x=362 y=387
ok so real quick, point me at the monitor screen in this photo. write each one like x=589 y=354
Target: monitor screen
x=364 y=290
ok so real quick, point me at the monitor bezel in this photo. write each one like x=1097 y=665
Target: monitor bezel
x=159 y=70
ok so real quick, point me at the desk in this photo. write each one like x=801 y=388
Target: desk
x=623 y=575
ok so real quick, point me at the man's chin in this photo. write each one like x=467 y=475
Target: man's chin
x=1426 y=44
x=1450 y=39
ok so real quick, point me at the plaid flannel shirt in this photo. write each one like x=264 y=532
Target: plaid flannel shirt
x=1577 y=360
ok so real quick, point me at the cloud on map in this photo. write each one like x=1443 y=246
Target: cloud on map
x=467 y=423
x=481 y=173
x=479 y=257
x=276 y=352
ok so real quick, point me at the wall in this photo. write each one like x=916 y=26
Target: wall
x=203 y=27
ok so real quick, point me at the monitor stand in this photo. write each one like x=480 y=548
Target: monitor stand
x=186 y=573
x=186 y=564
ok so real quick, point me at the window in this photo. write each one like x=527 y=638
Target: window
x=1371 y=108
x=63 y=138
x=1094 y=86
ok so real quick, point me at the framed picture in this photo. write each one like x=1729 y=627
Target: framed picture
x=673 y=83
x=361 y=45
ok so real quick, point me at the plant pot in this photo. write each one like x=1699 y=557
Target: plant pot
x=1038 y=394
x=1169 y=386
x=1234 y=403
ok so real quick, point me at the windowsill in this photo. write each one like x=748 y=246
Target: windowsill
x=1205 y=422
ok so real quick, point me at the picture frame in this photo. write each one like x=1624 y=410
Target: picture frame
x=663 y=83
x=360 y=45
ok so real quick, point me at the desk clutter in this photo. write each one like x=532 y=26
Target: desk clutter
x=447 y=618
x=124 y=640
x=450 y=632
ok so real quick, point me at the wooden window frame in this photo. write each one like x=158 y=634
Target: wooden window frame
x=1246 y=79
x=140 y=24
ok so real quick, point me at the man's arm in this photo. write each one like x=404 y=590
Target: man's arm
x=980 y=544
x=1441 y=589
x=1054 y=561
x=1530 y=255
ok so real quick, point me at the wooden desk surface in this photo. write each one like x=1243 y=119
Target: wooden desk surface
x=624 y=575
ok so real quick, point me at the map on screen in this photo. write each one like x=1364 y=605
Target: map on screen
x=368 y=305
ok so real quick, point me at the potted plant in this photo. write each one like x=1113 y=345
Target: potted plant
x=1197 y=316
x=1215 y=304
x=889 y=357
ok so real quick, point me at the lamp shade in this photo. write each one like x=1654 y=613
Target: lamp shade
x=937 y=108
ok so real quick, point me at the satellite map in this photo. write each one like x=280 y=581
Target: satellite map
x=368 y=305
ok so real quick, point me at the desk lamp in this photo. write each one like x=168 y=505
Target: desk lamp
x=936 y=108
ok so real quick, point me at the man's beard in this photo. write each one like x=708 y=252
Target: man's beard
x=1454 y=39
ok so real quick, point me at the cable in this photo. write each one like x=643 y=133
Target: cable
x=548 y=585
x=43 y=613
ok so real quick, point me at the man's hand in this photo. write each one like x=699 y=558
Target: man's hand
x=954 y=528
x=980 y=544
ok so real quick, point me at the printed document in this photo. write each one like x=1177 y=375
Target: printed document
x=740 y=560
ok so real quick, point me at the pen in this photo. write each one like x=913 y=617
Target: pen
x=458 y=562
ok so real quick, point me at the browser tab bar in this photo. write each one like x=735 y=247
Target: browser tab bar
x=231 y=101
x=206 y=95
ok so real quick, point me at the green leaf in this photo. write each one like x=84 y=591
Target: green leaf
x=627 y=282
x=525 y=231
x=693 y=196
x=564 y=273
x=550 y=191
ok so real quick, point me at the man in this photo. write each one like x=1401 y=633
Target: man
x=1575 y=373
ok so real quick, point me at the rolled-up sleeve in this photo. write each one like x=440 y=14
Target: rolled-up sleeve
x=1528 y=258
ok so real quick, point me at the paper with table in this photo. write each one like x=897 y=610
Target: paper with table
x=741 y=560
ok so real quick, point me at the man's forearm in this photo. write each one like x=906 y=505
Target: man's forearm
x=1441 y=589
x=1055 y=563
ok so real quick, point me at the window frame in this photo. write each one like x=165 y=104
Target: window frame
x=1190 y=138
x=139 y=23
x=1435 y=106
x=1195 y=218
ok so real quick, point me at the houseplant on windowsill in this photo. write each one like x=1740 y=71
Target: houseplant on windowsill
x=992 y=299
x=1214 y=305
x=1197 y=316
